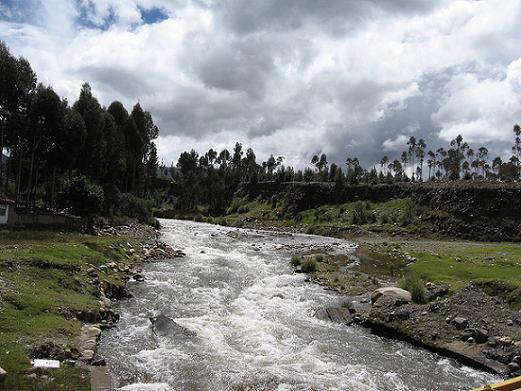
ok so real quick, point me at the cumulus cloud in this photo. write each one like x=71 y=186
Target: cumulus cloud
x=395 y=144
x=292 y=78
x=481 y=109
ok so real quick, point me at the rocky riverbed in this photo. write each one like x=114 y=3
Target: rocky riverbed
x=473 y=325
x=250 y=323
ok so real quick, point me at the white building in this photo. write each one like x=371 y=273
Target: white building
x=5 y=205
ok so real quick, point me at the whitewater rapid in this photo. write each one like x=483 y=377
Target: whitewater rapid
x=255 y=324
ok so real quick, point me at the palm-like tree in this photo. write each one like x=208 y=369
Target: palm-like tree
x=412 y=153
x=431 y=162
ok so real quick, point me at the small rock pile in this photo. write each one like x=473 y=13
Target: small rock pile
x=161 y=250
x=87 y=342
x=53 y=351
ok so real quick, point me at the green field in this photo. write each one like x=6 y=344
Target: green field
x=44 y=283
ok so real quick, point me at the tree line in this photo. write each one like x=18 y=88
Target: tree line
x=57 y=153
x=459 y=161
x=212 y=178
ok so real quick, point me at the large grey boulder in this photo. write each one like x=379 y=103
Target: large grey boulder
x=164 y=326
x=393 y=292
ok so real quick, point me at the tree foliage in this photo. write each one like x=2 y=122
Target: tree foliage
x=49 y=143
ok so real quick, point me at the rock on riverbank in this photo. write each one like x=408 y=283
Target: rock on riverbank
x=471 y=326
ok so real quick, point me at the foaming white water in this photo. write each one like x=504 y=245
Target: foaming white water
x=255 y=325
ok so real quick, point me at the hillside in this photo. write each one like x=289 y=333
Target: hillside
x=468 y=210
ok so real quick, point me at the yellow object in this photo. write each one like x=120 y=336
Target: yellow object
x=507 y=385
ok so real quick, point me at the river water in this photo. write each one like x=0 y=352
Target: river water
x=255 y=325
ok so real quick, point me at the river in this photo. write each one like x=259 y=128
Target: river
x=255 y=325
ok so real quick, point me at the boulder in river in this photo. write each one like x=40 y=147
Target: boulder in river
x=164 y=326
x=398 y=294
x=335 y=314
x=139 y=277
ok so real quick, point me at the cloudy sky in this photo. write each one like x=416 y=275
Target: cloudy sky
x=288 y=77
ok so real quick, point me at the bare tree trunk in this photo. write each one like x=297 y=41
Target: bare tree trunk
x=52 y=187
x=18 y=180
x=8 y=167
x=35 y=187
x=30 y=177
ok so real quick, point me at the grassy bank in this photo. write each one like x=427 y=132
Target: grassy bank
x=394 y=217
x=44 y=284
x=494 y=266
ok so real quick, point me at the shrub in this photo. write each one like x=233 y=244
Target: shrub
x=112 y=199
x=295 y=260
x=383 y=218
x=319 y=258
x=326 y=218
x=199 y=218
x=311 y=230
x=243 y=209
x=220 y=221
x=132 y=206
x=362 y=213
x=409 y=213
x=309 y=265
x=414 y=284
x=81 y=197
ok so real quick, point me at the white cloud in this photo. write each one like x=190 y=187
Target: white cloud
x=395 y=144
x=276 y=76
x=481 y=110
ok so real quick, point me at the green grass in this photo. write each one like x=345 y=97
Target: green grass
x=414 y=284
x=461 y=264
x=45 y=285
x=394 y=216
x=309 y=265
x=397 y=216
x=295 y=260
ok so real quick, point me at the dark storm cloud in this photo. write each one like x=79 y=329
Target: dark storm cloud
x=237 y=66
x=335 y=16
x=365 y=141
